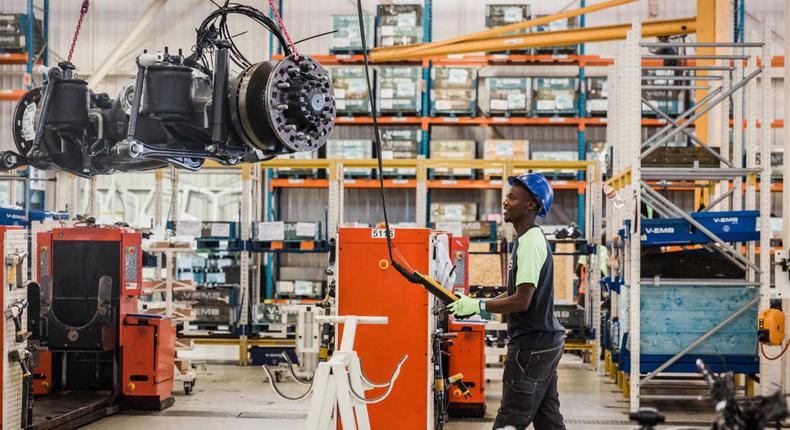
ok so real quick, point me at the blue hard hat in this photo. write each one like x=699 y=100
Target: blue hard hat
x=539 y=187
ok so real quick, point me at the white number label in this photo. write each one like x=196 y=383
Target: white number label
x=380 y=233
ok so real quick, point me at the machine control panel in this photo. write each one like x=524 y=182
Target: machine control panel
x=130 y=267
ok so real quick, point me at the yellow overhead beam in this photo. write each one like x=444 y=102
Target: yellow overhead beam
x=550 y=38
x=481 y=35
x=428 y=163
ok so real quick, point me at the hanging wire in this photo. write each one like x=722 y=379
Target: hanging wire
x=215 y=27
x=282 y=28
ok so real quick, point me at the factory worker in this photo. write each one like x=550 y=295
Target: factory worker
x=536 y=337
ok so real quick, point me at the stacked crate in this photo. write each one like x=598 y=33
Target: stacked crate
x=453 y=212
x=596 y=151
x=555 y=96
x=557 y=156
x=597 y=95
x=498 y=15
x=346 y=38
x=453 y=91
x=453 y=150
x=398 y=90
x=398 y=24
x=671 y=102
x=213 y=305
x=351 y=91
x=351 y=149
x=496 y=149
x=293 y=172
x=506 y=96
x=558 y=25
x=13 y=33
x=400 y=143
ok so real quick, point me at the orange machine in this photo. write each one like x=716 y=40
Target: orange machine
x=92 y=343
x=467 y=356
x=369 y=286
x=148 y=355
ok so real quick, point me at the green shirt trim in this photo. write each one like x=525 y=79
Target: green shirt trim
x=530 y=257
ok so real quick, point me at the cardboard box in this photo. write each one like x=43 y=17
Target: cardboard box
x=597 y=96
x=346 y=38
x=505 y=96
x=453 y=90
x=453 y=150
x=399 y=144
x=350 y=149
x=398 y=90
x=398 y=24
x=351 y=91
x=496 y=149
x=484 y=268
x=563 y=274
x=441 y=212
x=554 y=95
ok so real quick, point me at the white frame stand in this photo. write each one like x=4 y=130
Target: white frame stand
x=339 y=383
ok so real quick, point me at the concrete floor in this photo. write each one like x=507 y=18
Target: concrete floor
x=227 y=395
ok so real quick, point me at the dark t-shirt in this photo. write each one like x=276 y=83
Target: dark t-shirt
x=537 y=326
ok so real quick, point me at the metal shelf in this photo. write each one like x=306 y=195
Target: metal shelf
x=738 y=89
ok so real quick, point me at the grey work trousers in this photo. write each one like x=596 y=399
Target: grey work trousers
x=529 y=392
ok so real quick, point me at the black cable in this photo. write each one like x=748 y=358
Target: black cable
x=215 y=26
x=326 y=33
x=407 y=272
x=376 y=132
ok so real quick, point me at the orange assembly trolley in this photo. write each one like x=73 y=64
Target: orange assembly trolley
x=368 y=285
x=467 y=356
x=89 y=280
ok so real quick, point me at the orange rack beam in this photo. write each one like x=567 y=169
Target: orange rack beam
x=11 y=95
x=13 y=58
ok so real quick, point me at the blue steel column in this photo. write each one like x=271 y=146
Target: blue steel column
x=582 y=110
x=45 y=30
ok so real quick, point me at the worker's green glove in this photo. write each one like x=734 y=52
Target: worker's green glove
x=465 y=306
